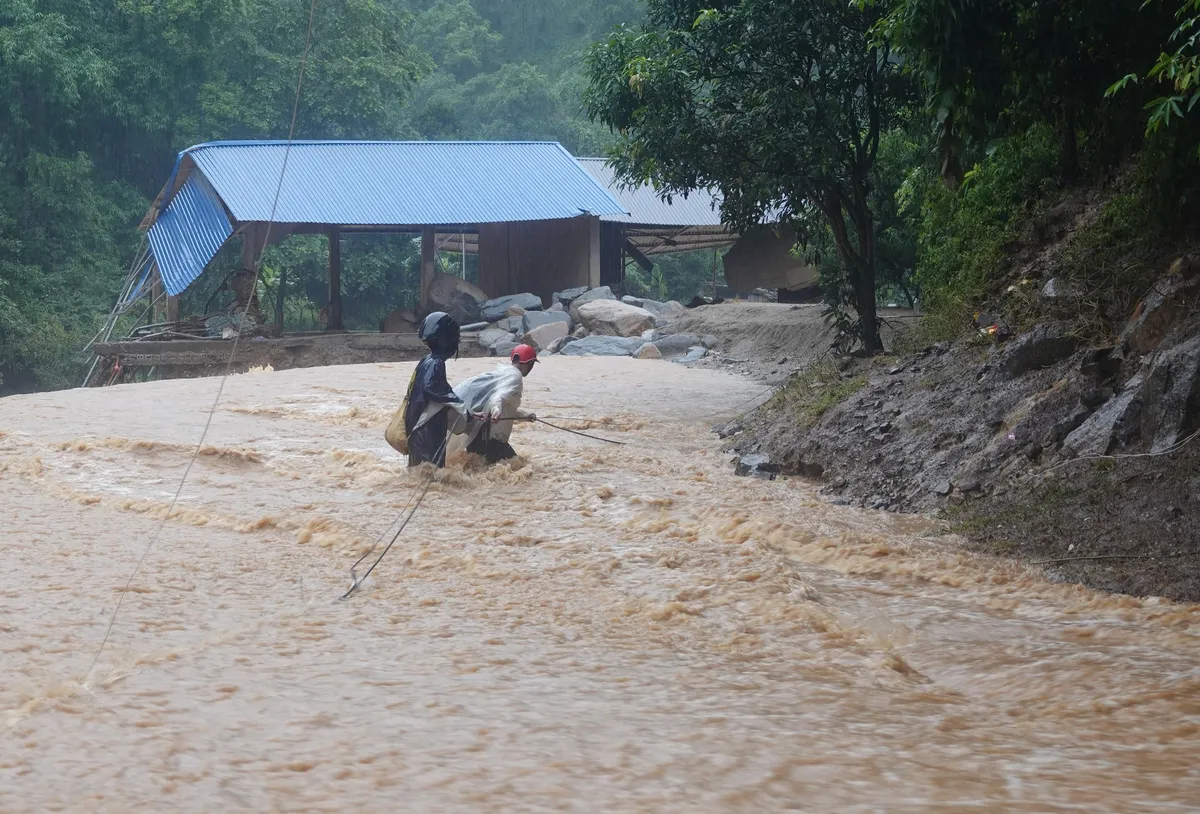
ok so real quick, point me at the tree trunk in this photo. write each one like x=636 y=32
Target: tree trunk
x=1068 y=157
x=865 y=269
x=860 y=264
x=865 y=290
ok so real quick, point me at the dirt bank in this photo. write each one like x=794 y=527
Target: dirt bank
x=764 y=340
x=1043 y=446
x=770 y=341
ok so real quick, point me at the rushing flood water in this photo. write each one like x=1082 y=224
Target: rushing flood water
x=597 y=628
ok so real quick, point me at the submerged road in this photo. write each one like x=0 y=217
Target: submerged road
x=595 y=628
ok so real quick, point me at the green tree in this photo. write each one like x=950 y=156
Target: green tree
x=460 y=41
x=1177 y=70
x=992 y=68
x=97 y=98
x=780 y=105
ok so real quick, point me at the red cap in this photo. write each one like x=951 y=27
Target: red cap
x=524 y=353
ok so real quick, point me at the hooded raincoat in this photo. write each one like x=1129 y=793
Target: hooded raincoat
x=430 y=402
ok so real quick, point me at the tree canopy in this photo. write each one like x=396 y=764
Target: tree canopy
x=906 y=140
x=780 y=105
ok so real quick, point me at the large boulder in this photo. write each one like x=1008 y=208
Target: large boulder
x=460 y=299
x=1113 y=423
x=647 y=351
x=614 y=318
x=496 y=309
x=543 y=336
x=504 y=348
x=535 y=319
x=676 y=344
x=399 y=322
x=1172 y=298
x=1171 y=395
x=693 y=355
x=601 y=293
x=1042 y=347
x=636 y=302
x=603 y=346
x=510 y=324
x=565 y=298
x=558 y=344
x=490 y=336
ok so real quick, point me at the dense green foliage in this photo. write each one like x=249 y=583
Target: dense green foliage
x=779 y=105
x=1014 y=107
x=910 y=142
x=97 y=97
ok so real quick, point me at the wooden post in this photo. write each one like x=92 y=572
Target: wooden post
x=427 y=267
x=335 y=282
x=280 y=293
x=250 y=247
x=172 y=309
x=714 y=274
x=593 y=261
x=156 y=306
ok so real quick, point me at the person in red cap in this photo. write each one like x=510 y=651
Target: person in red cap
x=497 y=395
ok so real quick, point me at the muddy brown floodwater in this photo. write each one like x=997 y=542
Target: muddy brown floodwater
x=597 y=628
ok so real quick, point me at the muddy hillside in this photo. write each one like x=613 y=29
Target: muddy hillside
x=1045 y=443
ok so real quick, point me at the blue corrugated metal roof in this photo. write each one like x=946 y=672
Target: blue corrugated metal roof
x=700 y=208
x=401 y=183
x=188 y=234
x=360 y=183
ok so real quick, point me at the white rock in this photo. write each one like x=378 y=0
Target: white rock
x=490 y=336
x=592 y=295
x=647 y=351
x=615 y=318
x=543 y=336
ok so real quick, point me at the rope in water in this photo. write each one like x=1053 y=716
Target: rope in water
x=232 y=353
x=577 y=432
x=356 y=581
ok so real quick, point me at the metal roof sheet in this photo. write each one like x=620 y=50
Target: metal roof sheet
x=188 y=234
x=355 y=183
x=699 y=208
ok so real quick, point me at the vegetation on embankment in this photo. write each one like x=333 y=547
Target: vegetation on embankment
x=1058 y=419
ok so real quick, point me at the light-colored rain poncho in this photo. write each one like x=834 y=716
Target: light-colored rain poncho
x=496 y=393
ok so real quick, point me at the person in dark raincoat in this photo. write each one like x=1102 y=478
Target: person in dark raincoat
x=430 y=397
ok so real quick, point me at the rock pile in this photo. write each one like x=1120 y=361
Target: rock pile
x=583 y=322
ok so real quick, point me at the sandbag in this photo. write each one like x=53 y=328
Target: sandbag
x=396 y=434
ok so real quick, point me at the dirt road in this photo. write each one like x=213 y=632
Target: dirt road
x=769 y=341
x=607 y=628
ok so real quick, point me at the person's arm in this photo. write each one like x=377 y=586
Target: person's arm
x=505 y=401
